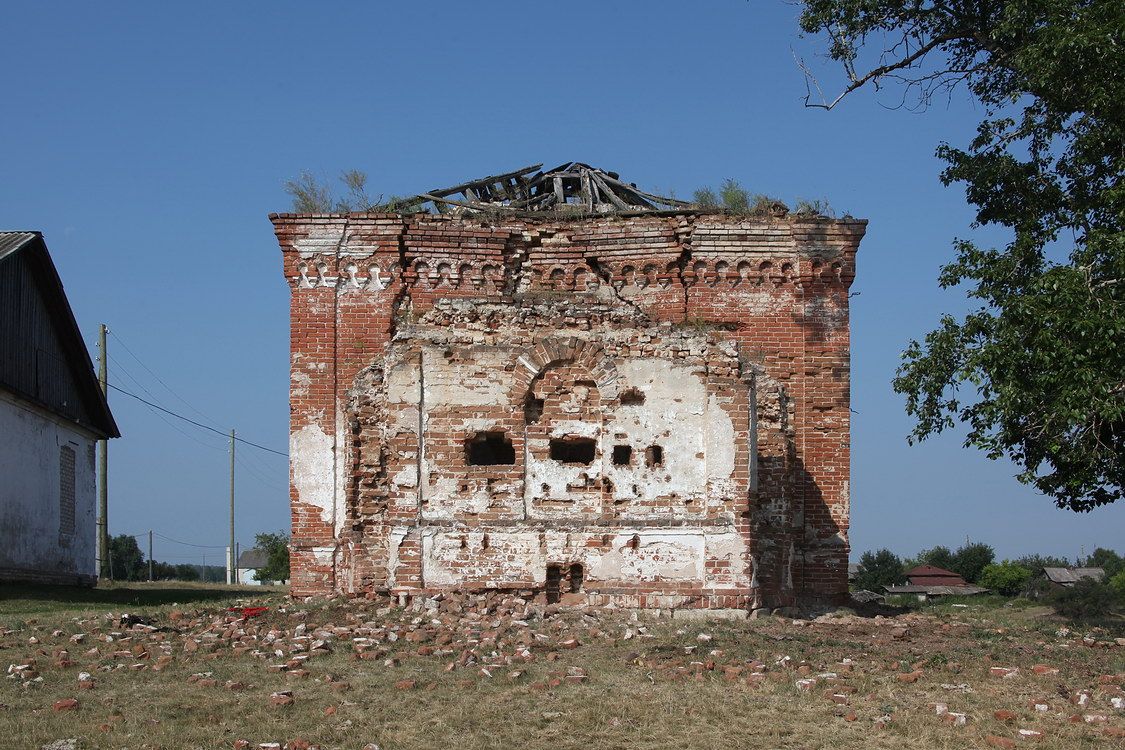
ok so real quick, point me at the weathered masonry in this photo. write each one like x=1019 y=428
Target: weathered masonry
x=647 y=406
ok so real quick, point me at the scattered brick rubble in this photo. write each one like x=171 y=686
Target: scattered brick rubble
x=495 y=636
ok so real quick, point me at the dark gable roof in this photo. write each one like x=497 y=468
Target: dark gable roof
x=32 y=325
x=253 y=559
x=1071 y=576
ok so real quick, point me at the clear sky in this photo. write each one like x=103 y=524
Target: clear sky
x=149 y=141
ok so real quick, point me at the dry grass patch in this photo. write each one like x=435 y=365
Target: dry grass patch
x=501 y=676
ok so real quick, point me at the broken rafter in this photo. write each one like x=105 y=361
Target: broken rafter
x=571 y=186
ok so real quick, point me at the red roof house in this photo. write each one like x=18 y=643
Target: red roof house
x=929 y=575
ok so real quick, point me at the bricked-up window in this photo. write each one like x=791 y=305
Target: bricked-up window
x=573 y=450
x=66 y=490
x=622 y=455
x=654 y=456
x=554 y=583
x=489 y=449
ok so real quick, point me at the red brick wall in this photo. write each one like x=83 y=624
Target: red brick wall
x=777 y=288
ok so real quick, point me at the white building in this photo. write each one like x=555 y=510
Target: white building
x=52 y=412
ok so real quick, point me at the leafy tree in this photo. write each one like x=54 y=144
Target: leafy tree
x=1085 y=600
x=972 y=558
x=1036 y=563
x=1006 y=578
x=186 y=572
x=1117 y=583
x=126 y=559
x=276 y=547
x=879 y=569
x=939 y=557
x=1035 y=371
x=1106 y=559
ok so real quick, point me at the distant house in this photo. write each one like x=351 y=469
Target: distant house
x=1066 y=577
x=52 y=413
x=249 y=563
x=928 y=582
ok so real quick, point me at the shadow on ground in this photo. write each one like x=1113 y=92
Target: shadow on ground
x=29 y=598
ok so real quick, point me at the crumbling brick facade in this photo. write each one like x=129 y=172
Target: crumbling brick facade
x=648 y=410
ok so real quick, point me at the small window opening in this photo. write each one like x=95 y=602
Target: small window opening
x=622 y=455
x=576 y=578
x=632 y=397
x=573 y=450
x=554 y=583
x=484 y=542
x=532 y=409
x=654 y=456
x=490 y=449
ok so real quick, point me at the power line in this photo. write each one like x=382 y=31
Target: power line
x=192 y=421
x=257 y=474
x=158 y=378
x=189 y=544
x=158 y=415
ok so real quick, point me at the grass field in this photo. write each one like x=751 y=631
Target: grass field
x=201 y=677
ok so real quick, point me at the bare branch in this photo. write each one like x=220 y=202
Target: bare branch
x=858 y=81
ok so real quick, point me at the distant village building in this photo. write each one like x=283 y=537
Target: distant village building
x=249 y=563
x=931 y=582
x=1065 y=578
x=556 y=383
x=52 y=412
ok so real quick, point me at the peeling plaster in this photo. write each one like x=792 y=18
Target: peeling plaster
x=310 y=452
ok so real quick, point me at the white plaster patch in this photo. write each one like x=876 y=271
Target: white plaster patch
x=658 y=556
x=731 y=548
x=483 y=382
x=394 y=539
x=720 y=441
x=407 y=476
x=310 y=456
x=575 y=428
x=450 y=558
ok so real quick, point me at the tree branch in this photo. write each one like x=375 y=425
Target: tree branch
x=874 y=74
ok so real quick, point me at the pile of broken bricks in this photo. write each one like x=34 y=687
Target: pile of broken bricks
x=495 y=636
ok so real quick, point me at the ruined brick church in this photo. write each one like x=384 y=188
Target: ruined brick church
x=553 y=382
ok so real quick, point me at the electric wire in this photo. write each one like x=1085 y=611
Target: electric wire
x=160 y=416
x=158 y=378
x=197 y=424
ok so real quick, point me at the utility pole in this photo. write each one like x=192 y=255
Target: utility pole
x=150 y=554
x=105 y=570
x=233 y=561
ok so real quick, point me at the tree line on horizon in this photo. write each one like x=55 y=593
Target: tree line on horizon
x=976 y=563
x=128 y=563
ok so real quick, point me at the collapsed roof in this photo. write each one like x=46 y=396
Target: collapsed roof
x=569 y=187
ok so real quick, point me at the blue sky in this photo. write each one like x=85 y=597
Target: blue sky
x=149 y=141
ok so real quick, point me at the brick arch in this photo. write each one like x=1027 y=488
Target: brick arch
x=531 y=364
